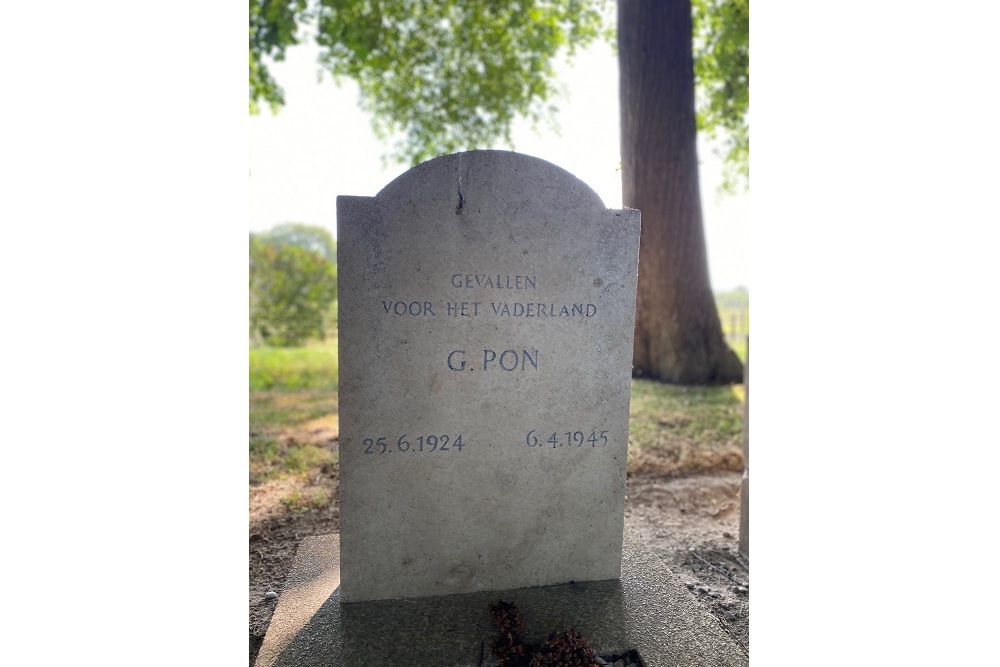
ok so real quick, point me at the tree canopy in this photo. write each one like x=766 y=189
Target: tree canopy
x=436 y=77
x=443 y=76
x=722 y=71
x=308 y=237
x=274 y=25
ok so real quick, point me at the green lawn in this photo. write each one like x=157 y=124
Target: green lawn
x=295 y=369
x=672 y=430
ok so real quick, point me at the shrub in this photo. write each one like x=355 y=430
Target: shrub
x=291 y=291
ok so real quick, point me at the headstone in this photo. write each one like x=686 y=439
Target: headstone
x=486 y=311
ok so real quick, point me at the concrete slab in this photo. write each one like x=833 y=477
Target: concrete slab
x=648 y=609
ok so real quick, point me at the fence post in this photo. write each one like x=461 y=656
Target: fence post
x=744 y=544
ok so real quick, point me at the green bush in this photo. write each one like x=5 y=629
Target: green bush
x=308 y=237
x=292 y=290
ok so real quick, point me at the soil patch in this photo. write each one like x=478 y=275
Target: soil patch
x=693 y=523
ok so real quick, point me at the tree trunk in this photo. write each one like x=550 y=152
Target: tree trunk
x=678 y=337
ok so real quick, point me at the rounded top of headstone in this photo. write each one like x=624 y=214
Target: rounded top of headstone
x=464 y=175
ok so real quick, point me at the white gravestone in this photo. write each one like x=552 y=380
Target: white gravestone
x=486 y=311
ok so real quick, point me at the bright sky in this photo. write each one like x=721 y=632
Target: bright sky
x=320 y=145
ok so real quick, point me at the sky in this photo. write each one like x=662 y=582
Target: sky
x=320 y=145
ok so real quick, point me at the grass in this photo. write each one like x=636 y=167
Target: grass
x=298 y=501
x=677 y=430
x=293 y=418
x=292 y=434
x=270 y=410
x=673 y=430
x=295 y=369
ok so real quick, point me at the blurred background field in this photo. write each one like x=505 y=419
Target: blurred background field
x=312 y=367
x=734 y=314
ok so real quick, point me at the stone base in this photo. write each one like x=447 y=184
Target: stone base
x=649 y=609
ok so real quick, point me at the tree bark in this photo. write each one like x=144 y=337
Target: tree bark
x=678 y=336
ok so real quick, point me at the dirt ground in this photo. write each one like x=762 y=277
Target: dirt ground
x=691 y=522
